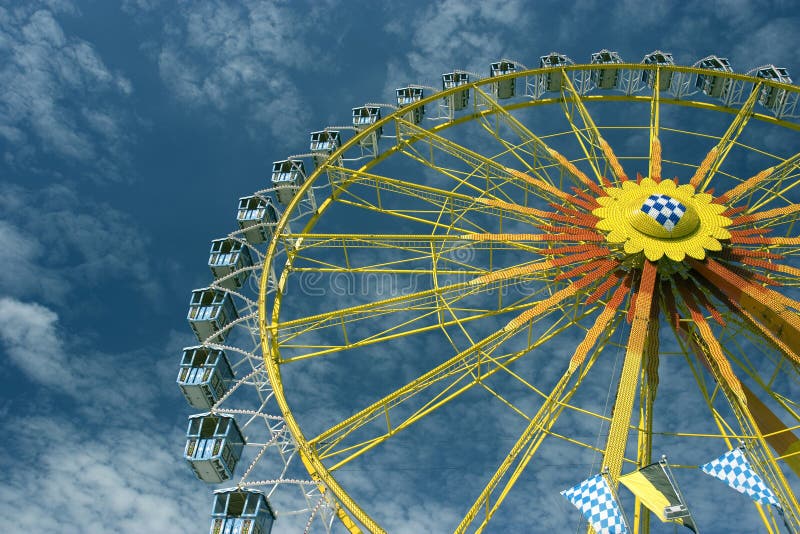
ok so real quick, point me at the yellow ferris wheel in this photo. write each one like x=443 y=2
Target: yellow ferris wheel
x=498 y=286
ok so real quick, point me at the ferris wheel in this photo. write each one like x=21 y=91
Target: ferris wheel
x=479 y=294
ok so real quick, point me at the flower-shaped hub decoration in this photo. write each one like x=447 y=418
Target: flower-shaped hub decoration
x=662 y=219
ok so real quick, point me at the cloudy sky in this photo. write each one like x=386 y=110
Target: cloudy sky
x=128 y=130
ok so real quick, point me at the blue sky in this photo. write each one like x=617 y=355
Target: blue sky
x=129 y=129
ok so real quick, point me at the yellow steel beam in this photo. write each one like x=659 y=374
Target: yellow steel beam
x=528 y=153
x=769 y=181
x=626 y=389
x=654 y=159
x=769 y=307
x=462 y=365
x=589 y=137
x=540 y=424
x=483 y=168
x=717 y=155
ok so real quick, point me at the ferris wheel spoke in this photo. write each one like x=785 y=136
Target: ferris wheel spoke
x=419 y=300
x=773 y=182
x=749 y=320
x=785 y=215
x=777 y=434
x=408 y=260
x=456 y=373
x=591 y=141
x=401 y=330
x=490 y=176
x=456 y=204
x=425 y=302
x=711 y=345
x=536 y=157
x=411 y=216
x=711 y=163
x=465 y=370
x=769 y=307
x=692 y=343
x=589 y=253
x=414 y=243
x=654 y=166
x=540 y=425
x=626 y=388
x=755 y=422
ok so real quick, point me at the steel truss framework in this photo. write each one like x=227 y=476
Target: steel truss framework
x=478 y=237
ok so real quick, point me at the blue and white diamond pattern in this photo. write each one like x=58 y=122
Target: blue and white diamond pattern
x=594 y=499
x=665 y=210
x=734 y=469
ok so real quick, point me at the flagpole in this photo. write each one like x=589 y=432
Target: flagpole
x=606 y=475
x=665 y=466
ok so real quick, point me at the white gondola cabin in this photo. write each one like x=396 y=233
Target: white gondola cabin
x=204 y=376
x=363 y=118
x=366 y=116
x=214 y=445
x=241 y=511
x=504 y=88
x=458 y=100
x=606 y=77
x=287 y=177
x=773 y=97
x=714 y=86
x=256 y=216
x=210 y=311
x=411 y=95
x=553 y=80
x=662 y=59
x=323 y=144
x=227 y=259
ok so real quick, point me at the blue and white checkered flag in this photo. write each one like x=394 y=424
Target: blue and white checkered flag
x=595 y=500
x=664 y=209
x=734 y=469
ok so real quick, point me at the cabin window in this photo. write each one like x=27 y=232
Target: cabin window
x=219 y=504
x=236 y=504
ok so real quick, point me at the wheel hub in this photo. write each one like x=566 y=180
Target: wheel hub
x=661 y=218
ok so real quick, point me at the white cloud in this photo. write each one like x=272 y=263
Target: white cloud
x=64 y=477
x=55 y=85
x=228 y=57
x=35 y=343
x=31 y=342
x=469 y=34
x=58 y=241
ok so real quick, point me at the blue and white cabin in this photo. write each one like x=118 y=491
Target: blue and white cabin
x=287 y=177
x=459 y=99
x=504 y=88
x=366 y=116
x=773 y=97
x=214 y=445
x=323 y=144
x=409 y=95
x=241 y=511
x=606 y=78
x=662 y=59
x=256 y=216
x=363 y=118
x=553 y=80
x=204 y=376
x=714 y=86
x=228 y=257
x=210 y=311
